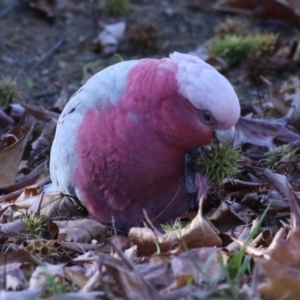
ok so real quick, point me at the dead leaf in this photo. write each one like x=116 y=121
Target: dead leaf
x=52 y=204
x=10 y=156
x=83 y=230
x=263 y=132
x=40 y=113
x=109 y=37
x=225 y=219
x=282 y=267
x=199 y=233
x=43 y=143
x=287 y=10
x=188 y=264
x=77 y=278
x=128 y=281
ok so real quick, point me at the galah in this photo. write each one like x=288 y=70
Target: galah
x=121 y=140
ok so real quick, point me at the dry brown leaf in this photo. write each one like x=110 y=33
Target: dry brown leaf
x=40 y=113
x=13 y=144
x=282 y=267
x=79 y=279
x=287 y=10
x=83 y=230
x=188 y=264
x=199 y=233
x=263 y=132
x=42 y=144
x=224 y=218
x=52 y=204
x=129 y=282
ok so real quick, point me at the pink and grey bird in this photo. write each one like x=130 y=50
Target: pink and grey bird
x=121 y=140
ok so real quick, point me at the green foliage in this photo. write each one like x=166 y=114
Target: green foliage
x=34 y=225
x=117 y=7
x=54 y=285
x=219 y=163
x=8 y=90
x=234 y=48
x=171 y=227
x=238 y=264
x=274 y=157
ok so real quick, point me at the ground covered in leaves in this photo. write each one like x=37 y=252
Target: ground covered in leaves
x=243 y=240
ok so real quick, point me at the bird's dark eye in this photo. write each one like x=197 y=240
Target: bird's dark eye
x=206 y=117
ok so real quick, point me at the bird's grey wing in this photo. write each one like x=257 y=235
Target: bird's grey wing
x=100 y=92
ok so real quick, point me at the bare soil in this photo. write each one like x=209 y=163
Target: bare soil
x=26 y=35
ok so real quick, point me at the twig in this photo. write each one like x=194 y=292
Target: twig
x=50 y=52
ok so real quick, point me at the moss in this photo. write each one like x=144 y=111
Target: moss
x=117 y=7
x=234 y=48
x=8 y=90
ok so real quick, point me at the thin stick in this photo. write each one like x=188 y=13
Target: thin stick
x=50 y=52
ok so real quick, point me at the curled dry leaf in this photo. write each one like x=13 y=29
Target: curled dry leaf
x=263 y=132
x=43 y=143
x=109 y=37
x=225 y=218
x=199 y=233
x=83 y=230
x=11 y=150
x=76 y=277
x=281 y=265
x=40 y=113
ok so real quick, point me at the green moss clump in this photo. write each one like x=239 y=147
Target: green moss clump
x=234 y=48
x=8 y=90
x=219 y=163
x=274 y=157
x=117 y=7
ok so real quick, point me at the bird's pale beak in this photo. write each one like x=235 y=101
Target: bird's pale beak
x=225 y=136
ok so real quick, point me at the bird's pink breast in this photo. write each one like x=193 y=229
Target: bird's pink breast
x=126 y=159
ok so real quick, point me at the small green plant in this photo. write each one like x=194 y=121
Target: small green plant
x=275 y=156
x=239 y=263
x=8 y=90
x=117 y=7
x=171 y=227
x=55 y=285
x=234 y=48
x=219 y=163
x=34 y=224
